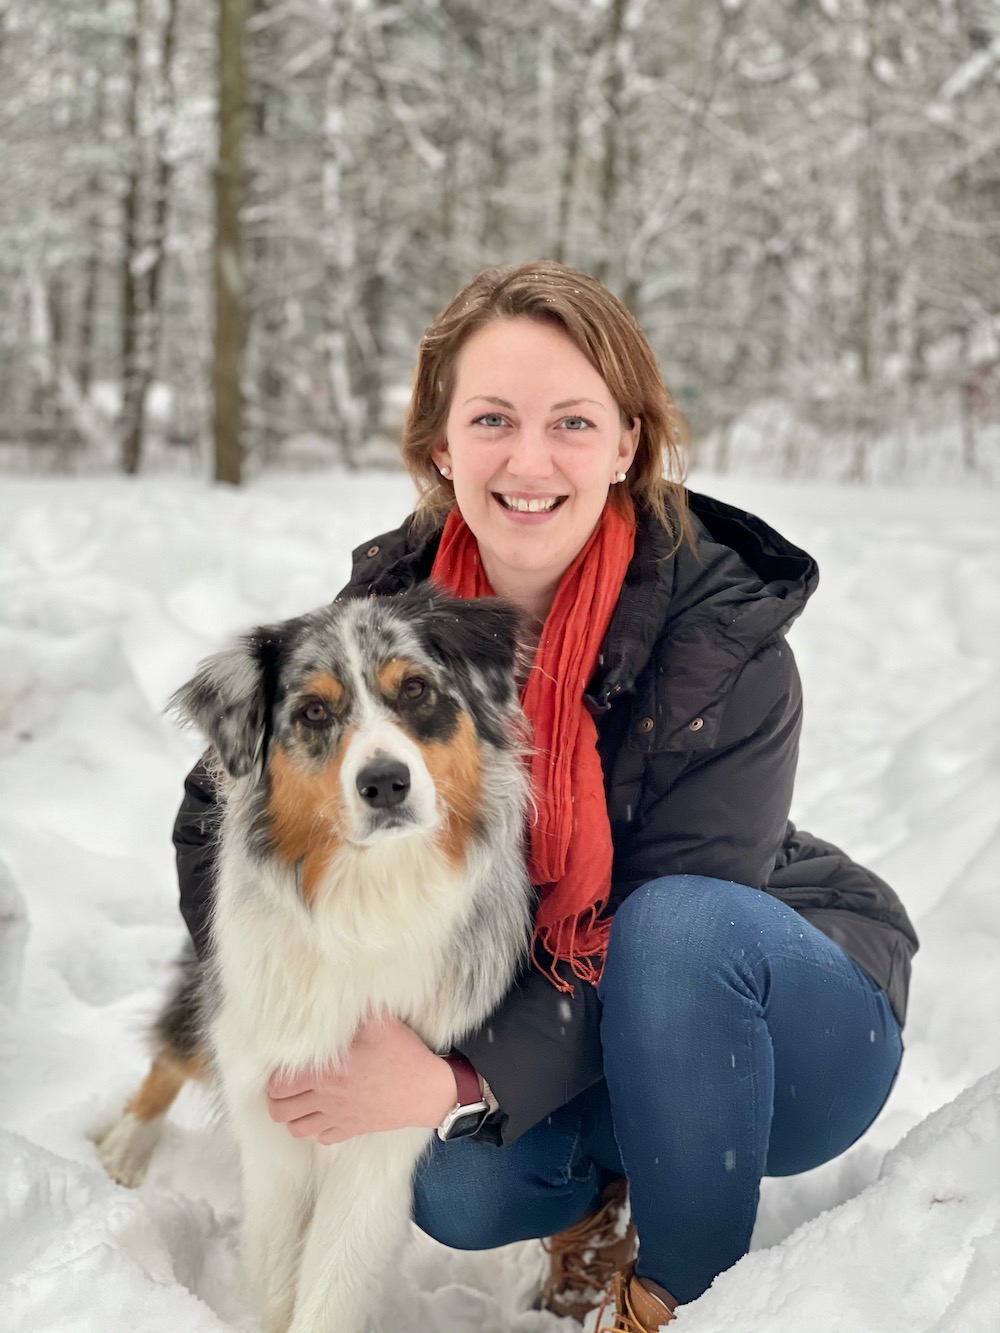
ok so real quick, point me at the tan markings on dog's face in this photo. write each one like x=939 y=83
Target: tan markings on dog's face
x=394 y=674
x=326 y=687
x=456 y=767
x=306 y=806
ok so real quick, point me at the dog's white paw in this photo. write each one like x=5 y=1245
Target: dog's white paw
x=126 y=1149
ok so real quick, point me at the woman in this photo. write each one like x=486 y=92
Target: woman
x=679 y=1028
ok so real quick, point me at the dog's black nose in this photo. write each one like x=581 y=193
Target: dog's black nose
x=383 y=783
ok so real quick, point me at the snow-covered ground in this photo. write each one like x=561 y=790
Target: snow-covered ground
x=109 y=593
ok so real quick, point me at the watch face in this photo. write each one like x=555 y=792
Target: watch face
x=466 y=1123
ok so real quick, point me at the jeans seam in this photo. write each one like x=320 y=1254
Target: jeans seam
x=567 y=1174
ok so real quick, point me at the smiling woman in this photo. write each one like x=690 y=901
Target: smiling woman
x=714 y=995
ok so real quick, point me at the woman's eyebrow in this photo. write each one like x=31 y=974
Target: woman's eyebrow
x=556 y=407
x=572 y=402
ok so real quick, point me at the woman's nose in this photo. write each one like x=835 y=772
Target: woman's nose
x=530 y=454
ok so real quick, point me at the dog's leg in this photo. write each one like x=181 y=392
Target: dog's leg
x=278 y=1192
x=178 y=1055
x=362 y=1209
x=126 y=1149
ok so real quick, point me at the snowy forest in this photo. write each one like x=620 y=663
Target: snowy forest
x=224 y=227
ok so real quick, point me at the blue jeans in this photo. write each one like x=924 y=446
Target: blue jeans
x=738 y=1041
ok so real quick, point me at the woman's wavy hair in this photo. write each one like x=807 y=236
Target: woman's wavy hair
x=606 y=333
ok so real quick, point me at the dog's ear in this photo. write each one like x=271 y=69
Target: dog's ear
x=231 y=695
x=479 y=631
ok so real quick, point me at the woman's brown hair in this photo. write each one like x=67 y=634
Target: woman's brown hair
x=606 y=333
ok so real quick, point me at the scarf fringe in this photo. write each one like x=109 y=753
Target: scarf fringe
x=579 y=941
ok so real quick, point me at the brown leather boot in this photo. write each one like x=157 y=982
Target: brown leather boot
x=637 y=1310
x=584 y=1258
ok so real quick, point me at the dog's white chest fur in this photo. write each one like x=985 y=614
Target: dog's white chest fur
x=295 y=980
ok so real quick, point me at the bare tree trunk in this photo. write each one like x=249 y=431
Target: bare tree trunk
x=560 y=249
x=130 y=235
x=493 y=232
x=92 y=265
x=372 y=381
x=339 y=242
x=967 y=410
x=43 y=374
x=264 y=375
x=868 y=188
x=618 y=50
x=148 y=315
x=547 y=131
x=448 y=208
x=970 y=460
x=227 y=256
x=581 y=70
x=91 y=278
x=381 y=240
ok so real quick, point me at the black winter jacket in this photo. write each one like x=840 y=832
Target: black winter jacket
x=698 y=708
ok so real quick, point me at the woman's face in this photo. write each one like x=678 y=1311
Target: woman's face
x=534 y=441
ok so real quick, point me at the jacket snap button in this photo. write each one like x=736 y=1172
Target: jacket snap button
x=697 y=724
x=373 y=550
x=646 y=724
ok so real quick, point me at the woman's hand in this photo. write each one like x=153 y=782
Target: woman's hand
x=388 y=1080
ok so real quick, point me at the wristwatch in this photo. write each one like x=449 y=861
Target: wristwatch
x=473 y=1106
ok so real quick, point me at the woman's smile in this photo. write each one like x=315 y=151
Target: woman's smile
x=522 y=507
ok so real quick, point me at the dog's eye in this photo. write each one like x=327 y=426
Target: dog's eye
x=315 y=714
x=413 y=688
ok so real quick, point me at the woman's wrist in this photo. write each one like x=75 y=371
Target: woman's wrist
x=442 y=1093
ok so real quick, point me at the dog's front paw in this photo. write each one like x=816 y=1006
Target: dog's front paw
x=126 y=1149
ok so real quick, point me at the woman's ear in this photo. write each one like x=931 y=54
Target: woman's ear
x=629 y=443
x=441 y=459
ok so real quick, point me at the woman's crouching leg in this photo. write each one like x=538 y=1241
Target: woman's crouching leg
x=738 y=1041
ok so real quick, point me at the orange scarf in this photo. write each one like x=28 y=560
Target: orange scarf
x=570 y=836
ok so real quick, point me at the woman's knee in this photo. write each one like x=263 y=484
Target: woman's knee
x=446 y=1211
x=683 y=921
x=474 y=1196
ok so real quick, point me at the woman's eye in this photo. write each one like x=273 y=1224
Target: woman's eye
x=315 y=714
x=413 y=688
x=575 y=423
x=490 y=419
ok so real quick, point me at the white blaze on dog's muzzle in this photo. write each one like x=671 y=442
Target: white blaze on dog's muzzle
x=386 y=786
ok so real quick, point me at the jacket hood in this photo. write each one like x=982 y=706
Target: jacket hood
x=715 y=601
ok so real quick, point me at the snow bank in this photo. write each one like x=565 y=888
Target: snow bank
x=80 y=1254
x=109 y=593
x=920 y=1249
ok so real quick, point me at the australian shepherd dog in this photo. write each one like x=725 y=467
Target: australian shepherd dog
x=370 y=861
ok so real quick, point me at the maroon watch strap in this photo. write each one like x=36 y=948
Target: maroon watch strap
x=466 y=1079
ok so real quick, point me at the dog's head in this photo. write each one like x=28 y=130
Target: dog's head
x=366 y=720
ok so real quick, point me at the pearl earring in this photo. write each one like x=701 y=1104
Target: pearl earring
x=621 y=476
x=445 y=472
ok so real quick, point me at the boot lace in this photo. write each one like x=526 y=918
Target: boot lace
x=585 y=1256
x=624 y=1319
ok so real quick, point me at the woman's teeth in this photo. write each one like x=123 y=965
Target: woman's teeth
x=530 y=506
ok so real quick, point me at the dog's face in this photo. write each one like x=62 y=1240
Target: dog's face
x=364 y=721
